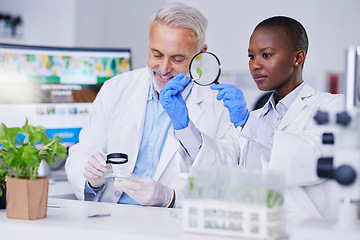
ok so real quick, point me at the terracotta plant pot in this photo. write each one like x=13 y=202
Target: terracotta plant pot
x=3 y=198
x=26 y=199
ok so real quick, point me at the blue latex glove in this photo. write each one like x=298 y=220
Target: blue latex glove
x=173 y=102
x=234 y=100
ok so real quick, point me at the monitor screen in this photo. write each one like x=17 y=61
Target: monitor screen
x=55 y=87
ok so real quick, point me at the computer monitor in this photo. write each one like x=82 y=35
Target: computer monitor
x=352 y=81
x=54 y=87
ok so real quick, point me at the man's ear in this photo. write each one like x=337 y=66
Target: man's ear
x=300 y=58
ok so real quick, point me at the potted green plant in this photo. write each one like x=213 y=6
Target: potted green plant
x=3 y=173
x=22 y=151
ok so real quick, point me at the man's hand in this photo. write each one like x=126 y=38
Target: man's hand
x=173 y=102
x=234 y=100
x=95 y=170
x=147 y=192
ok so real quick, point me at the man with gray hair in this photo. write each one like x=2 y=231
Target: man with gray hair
x=156 y=116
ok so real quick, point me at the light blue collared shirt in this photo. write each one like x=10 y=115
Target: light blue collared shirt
x=155 y=132
x=276 y=112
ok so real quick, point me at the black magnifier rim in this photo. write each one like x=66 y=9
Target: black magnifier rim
x=217 y=77
x=117 y=155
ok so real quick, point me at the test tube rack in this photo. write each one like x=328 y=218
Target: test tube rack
x=235 y=202
x=233 y=219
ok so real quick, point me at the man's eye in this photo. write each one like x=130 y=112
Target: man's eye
x=251 y=56
x=178 y=59
x=266 y=55
x=158 y=55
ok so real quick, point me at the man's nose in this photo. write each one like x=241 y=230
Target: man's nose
x=165 y=66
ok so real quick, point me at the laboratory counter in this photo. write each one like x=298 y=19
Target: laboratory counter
x=73 y=219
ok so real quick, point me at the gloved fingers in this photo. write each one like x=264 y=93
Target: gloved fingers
x=142 y=184
x=171 y=86
x=99 y=158
x=89 y=175
x=233 y=94
x=185 y=81
x=97 y=162
x=92 y=171
x=233 y=103
x=123 y=187
x=177 y=83
x=181 y=80
x=178 y=77
x=225 y=91
x=135 y=190
x=220 y=86
x=174 y=83
x=168 y=94
x=128 y=185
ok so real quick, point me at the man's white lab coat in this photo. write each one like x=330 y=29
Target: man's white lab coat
x=116 y=125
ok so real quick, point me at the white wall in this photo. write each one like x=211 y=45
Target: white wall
x=116 y=23
x=332 y=26
x=44 y=22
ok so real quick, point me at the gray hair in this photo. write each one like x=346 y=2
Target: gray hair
x=180 y=15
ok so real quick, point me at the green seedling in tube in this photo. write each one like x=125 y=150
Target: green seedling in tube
x=274 y=198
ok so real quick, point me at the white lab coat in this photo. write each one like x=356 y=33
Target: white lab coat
x=296 y=148
x=116 y=125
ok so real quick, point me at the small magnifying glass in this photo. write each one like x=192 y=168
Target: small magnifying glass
x=115 y=170
x=205 y=69
x=117 y=158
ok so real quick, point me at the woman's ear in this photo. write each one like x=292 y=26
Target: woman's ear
x=300 y=57
x=204 y=49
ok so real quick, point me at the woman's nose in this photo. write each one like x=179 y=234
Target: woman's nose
x=255 y=64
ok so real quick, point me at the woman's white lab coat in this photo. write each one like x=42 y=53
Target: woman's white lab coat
x=116 y=125
x=296 y=148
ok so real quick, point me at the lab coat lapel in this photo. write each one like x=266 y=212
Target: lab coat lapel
x=197 y=95
x=172 y=145
x=297 y=106
x=132 y=126
x=170 y=148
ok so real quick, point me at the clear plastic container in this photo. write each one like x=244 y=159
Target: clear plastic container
x=115 y=165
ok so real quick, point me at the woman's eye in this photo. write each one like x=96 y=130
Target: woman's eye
x=251 y=56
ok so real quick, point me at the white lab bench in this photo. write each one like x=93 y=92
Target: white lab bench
x=68 y=219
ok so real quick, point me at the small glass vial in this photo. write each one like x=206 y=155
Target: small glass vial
x=115 y=168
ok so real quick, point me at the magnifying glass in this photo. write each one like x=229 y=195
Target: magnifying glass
x=115 y=171
x=117 y=158
x=205 y=69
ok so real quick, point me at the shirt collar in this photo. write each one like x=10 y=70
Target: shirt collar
x=152 y=95
x=286 y=101
x=290 y=97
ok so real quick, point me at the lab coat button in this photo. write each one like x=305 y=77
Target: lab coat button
x=117 y=193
